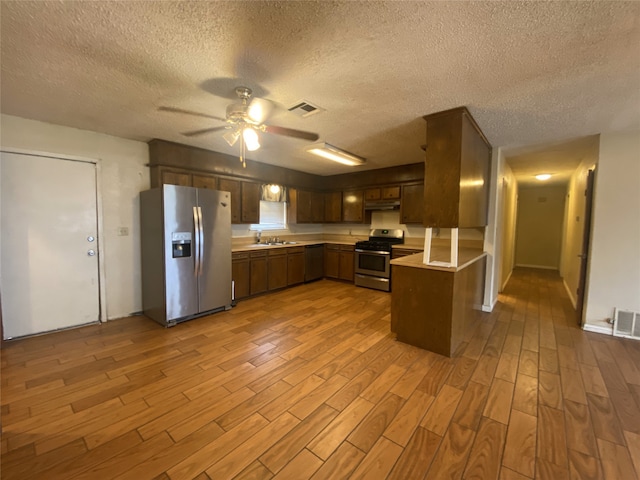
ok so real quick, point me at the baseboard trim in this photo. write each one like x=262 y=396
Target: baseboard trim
x=542 y=267
x=489 y=308
x=574 y=299
x=504 y=284
x=597 y=329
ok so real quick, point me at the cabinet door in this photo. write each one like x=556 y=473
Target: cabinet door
x=317 y=207
x=353 y=206
x=295 y=268
x=391 y=193
x=205 y=181
x=303 y=213
x=332 y=261
x=235 y=188
x=346 y=265
x=172 y=177
x=241 y=274
x=277 y=269
x=250 y=205
x=372 y=194
x=258 y=273
x=412 y=203
x=333 y=207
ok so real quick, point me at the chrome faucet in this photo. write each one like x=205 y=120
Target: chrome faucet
x=258 y=235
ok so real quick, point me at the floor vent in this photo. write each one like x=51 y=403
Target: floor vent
x=305 y=109
x=626 y=324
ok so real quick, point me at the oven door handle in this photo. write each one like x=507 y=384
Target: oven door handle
x=373 y=252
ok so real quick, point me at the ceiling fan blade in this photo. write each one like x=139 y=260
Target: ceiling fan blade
x=189 y=112
x=290 y=132
x=194 y=133
x=259 y=109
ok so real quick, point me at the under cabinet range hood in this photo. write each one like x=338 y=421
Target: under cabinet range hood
x=382 y=204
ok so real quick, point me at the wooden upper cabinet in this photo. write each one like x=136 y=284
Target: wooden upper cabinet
x=412 y=203
x=174 y=177
x=391 y=193
x=457 y=168
x=235 y=188
x=317 y=207
x=353 y=206
x=373 y=194
x=305 y=206
x=250 y=208
x=333 y=207
x=205 y=181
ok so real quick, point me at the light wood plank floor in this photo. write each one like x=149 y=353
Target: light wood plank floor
x=309 y=383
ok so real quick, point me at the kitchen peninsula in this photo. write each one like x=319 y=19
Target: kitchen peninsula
x=437 y=296
x=434 y=307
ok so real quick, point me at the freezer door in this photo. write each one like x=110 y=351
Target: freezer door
x=180 y=251
x=214 y=290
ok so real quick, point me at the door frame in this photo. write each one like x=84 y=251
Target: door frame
x=585 y=249
x=102 y=292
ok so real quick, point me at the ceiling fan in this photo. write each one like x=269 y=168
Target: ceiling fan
x=243 y=121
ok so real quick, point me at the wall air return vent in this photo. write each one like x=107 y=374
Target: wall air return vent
x=626 y=324
x=305 y=109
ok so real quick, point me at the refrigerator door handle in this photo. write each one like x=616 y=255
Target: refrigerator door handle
x=196 y=241
x=201 y=240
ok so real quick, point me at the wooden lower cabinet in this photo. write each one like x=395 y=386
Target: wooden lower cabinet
x=241 y=274
x=346 y=263
x=339 y=261
x=277 y=268
x=259 y=279
x=295 y=265
x=332 y=261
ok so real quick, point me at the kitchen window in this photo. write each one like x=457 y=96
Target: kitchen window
x=273 y=208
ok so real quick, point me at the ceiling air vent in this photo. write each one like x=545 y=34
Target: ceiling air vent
x=305 y=109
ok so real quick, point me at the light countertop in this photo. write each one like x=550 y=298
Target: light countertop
x=466 y=256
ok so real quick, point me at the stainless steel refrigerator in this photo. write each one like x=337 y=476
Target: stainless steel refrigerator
x=186 y=252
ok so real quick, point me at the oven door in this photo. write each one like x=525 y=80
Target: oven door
x=373 y=263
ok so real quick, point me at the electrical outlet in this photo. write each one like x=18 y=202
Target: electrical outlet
x=123 y=231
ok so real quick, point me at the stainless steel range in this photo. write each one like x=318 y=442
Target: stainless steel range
x=373 y=257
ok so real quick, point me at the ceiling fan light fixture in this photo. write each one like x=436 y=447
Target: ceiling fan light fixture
x=231 y=137
x=251 y=140
x=335 y=154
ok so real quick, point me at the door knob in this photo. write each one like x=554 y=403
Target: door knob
x=90 y=238
x=91 y=253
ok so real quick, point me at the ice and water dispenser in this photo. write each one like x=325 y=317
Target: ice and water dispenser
x=181 y=244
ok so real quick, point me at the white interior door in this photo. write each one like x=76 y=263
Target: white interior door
x=49 y=244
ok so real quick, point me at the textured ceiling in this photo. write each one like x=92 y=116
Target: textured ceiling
x=529 y=72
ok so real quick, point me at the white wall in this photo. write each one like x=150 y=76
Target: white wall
x=614 y=258
x=574 y=226
x=539 y=226
x=123 y=175
x=509 y=211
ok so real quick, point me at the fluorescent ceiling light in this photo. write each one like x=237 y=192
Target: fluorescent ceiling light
x=334 y=153
x=543 y=176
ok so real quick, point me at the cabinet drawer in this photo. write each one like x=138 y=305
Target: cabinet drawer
x=276 y=252
x=239 y=255
x=347 y=248
x=332 y=246
x=258 y=254
x=294 y=250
